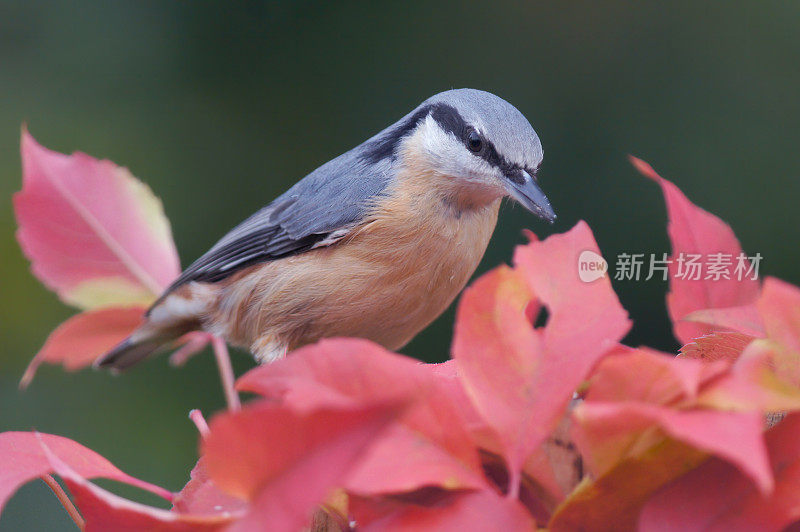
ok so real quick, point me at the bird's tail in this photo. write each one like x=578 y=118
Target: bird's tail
x=129 y=352
x=172 y=316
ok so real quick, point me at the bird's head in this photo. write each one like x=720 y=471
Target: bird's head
x=481 y=144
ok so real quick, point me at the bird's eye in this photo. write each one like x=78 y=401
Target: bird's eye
x=474 y=141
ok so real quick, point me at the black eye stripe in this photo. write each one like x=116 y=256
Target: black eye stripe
x=515 y=176
x=491 y=156
x=450 y=120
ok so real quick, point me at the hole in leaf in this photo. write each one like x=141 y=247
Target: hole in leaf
x=542 y=318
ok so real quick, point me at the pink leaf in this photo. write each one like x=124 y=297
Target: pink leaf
x=338 y=372
x=77 y=342
x=717 y=496
x=756 y=381
x=104 y=511
x=716 y=346
x=695 y=231
x=744 y=319
x=286 y=462
x=94 y=233
x=520 y=378
x=201 y=496
x=24 y=459
x=448 y=383
x=779 y=307
x=636 y=391
x=429 y=446
x=646 y=375
x=735 y=436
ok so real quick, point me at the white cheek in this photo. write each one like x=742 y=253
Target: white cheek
x=448 y=155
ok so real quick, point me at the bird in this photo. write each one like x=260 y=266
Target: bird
x=375 y=244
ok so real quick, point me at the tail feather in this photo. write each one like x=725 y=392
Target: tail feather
x=128 y=353
x=174 y=315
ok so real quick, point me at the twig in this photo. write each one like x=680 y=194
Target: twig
x=200 y=422
x=226 y=373
x=514 y=480
x=194 y=343
x=65 y=501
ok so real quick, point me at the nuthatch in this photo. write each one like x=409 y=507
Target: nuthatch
x=374 y=244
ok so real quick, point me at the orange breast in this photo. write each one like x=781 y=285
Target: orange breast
x=386 y=281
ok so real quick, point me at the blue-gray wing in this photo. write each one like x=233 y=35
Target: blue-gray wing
x=320 y=209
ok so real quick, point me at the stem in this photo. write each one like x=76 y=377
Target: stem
x=200 y=422
x=195 y=342
x=226 y=373
x=514 y=479
x=65 y=501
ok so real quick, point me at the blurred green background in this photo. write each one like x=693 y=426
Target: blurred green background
x=220 y=106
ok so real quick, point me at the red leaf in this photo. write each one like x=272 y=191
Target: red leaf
x=286 y=462
x=522 y=379
x=24 y=459
x=546 y=466
x=404 y=459
x=104 y=511
x=77 y=342
x=695 y=231
x=614 y=501
x=636 y=391
x=430 y=445
x=481 y=510
x=755 y=382
x=448 y=383
x=779 y=307
x=338 y=372
x=201 y=496
x=646 y=375
x=498 y=354
x=607 y=428
x=717 y=496
x=75 y=202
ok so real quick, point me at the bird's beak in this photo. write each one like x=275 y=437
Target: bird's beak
x=530 y=196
